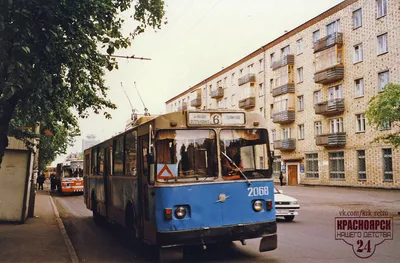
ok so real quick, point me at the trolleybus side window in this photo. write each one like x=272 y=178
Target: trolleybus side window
x=118 y=156
x=94 y=161
x=100 y=161
x=244 y=147
x=186 y=154
x=130 y=153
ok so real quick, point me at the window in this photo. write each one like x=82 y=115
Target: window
x=225 y=83
x=118 y=156
x=333 y=27
x=334 y=93
x=130 y=153
x=273 y=135
x=362 y=174
x=225 y=102
x=383 y=79
x=280 y=104
x=328 y=58
x=385 y=125
x=286 y=133
x=318 y=128
x=250 y=68
x=360 y=124
x=358 y=53
x=281 y=76
x=387 y=165
x=261 y=89
x=300 y=46
x=300 y=75
x=382 y=44
x=382 y=8
x=300 y=103
x=204 y=93
x=336 y=125
x=233 y=103
x=240 y=72
x=357 y=18
x=233 y=78
x=336 y=165
x=261 y=65
x=317 y=97
x=316 y=36
x=271 y=85
x=285 y=51
x=262 y=111
x=276 y=166
x=359 y=87
x=312 y=165
x=301 y=131
x=272 y=58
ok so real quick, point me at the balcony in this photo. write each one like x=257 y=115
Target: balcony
x=251 y=77
x=287 y=88
x=196 y=102
x=284 y=117
x=330 y=107
x=183 y=107
x=286 y=60
x=329 y=75
x=331 y=140
x=218 y=93
x=247 y=103
x=328 y=41
x=285 y=145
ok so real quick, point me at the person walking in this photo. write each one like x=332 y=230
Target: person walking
x=41 y=180
x=281 y=178
x=53 y=182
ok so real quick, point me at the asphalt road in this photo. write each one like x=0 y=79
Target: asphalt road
x=309 y=238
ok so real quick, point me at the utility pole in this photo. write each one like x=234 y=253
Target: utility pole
x=31 y=207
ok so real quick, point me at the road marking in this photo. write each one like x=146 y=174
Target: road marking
x=70 y=247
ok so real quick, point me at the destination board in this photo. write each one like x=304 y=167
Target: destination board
x=216 y=118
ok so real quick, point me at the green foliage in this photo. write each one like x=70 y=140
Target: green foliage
x=385 y=108
x=51 y=61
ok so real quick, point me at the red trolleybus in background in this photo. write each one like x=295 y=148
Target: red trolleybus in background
x=69 y=177
x=173 y=181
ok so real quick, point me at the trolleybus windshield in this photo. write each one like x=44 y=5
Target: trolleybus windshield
x=186 y=155
x=248 y=149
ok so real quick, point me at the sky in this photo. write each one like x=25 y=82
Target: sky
x=201 y=38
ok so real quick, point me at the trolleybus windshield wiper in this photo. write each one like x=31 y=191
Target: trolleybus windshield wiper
x=232 y=162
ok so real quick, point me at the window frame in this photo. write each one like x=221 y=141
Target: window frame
x=385 y=43
x=360 y=123
x=380 y=87
x=381 y=5
x=336 y=162
x=300 y=103
x=361 y=162
x=311 y=161
x=299 y=75
x=301 y=132
x=354 y=17
x=318 y=128
x=358 y=54
x=359 y=87
x=390 y=156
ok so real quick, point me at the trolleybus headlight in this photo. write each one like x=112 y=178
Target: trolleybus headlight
x=180 y=212
x=257 y=206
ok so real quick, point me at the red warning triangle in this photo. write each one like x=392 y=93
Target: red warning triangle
x=161 y=174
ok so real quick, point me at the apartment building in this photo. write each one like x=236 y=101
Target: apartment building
x=313 y=85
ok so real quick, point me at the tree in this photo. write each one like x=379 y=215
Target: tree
x=384 y=109
x=52 y=60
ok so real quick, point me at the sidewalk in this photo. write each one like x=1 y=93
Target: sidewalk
x=39 y=239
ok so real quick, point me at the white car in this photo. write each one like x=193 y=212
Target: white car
x=285 y=206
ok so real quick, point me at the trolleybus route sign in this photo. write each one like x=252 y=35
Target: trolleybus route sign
x=213 y=118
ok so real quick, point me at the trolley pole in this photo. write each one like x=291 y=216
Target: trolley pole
x=31 y=207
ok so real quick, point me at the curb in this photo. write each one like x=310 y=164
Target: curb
x=68 y=243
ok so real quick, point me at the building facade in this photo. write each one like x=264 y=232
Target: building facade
x=313 y=85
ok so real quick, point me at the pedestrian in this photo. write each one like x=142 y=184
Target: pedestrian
x=41 y=180
x=53 y=182
x=281 y=178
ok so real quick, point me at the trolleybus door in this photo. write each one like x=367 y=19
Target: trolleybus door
x=107 y=172
x=148 y=227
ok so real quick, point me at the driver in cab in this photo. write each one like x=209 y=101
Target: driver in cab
x=230 y=170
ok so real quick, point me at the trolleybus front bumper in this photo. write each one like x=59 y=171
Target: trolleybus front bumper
x=266 y=230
